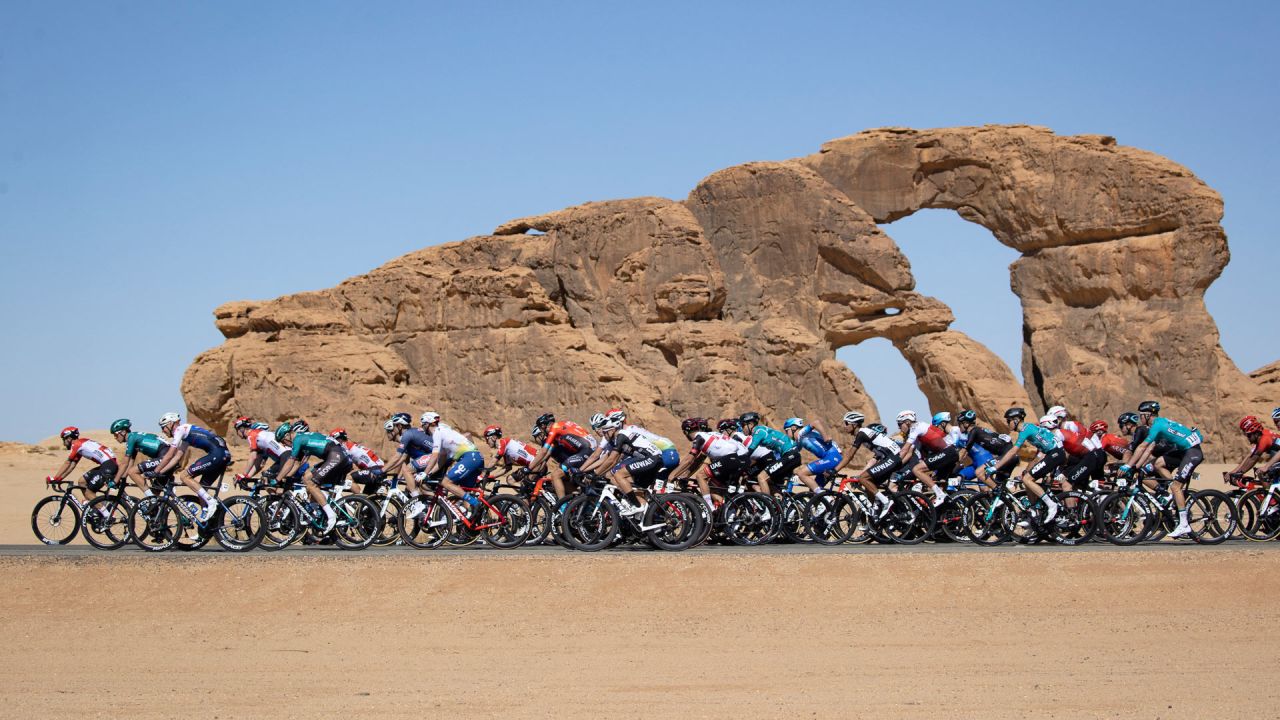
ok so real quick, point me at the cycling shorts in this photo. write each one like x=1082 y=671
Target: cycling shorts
x=826 y=463
x=210 y=467
x=783 y=467
x=1191 y=459
x=334 y=469
x=884 y=468
x=96 y=478
x=1049 y=463
x=642 y=467
x=729 y=468
x=980 y=457
x=465 y=471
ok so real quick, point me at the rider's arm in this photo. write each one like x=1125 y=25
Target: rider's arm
x=170 y=461
x=688 y=465
x=604 y=462
x=432 y=461
x=1141 y=454
x=1247 y=463
x=848 y=459
x=540 y=459
x=251 y=466
x=67 y=466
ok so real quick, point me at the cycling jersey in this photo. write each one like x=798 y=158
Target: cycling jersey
x=810 y=439
x=767 y=437
x=516 y=452
x=570 y=437
x=1114 y=445
x=989 y=440
x=449 y=443
x=956 y=438
x=198 y=437
x=311 y=443
x=91 y=450
x=151 y=445
x=716 y=446
x=629 y=441
x=1269 y=442
x=663 y=444
x=1179 y=436
x=1075 y=443
x=264 y=441
x=361 y=456
x=414 y=443
x=1162 y=447
x=927 y=437
x=760 y=452
x=1043 y=440
x=881 y=445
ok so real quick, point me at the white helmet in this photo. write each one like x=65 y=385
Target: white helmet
x=1049 y=422
x=611 y=424
x=853 y=416
x=1058 y=411
x=906 y=416
x=169 y=418
x=620 y=416
x=429 y=417
x=597 y=421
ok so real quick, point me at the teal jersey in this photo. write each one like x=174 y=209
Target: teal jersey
x=311 y=443
x=147 y=443
x=1179 y=436
x=1043 y=440
x=775 y=440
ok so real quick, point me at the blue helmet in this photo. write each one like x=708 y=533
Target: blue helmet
x=942 y=417
x=793 y=422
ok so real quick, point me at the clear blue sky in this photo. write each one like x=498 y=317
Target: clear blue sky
x=160 y=158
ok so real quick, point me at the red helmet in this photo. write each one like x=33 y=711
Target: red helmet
x=1250 y=424
x=70 y=432
x=339 y=434
x=493 y=431
x=1099 y=427
x=242 y=422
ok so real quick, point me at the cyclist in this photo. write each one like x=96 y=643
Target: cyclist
x=453 y=454
x=628 y=458
x=1064 y=419
x=152 y=446
x=1084 y=453
x=1263 y=445
x=263 y=447
x=886 y=456
x=511 y=452
x=1052 y=456
x=566 y=442
x=787 y=452
x=760 y=458
x=367 y=468
x=670 y=456
x=810 y=437
x=95 y=452
x=728 y=457
x=954 y=435
x=332 y=470
x=412 y=452
x=208 y=468
x=926 y=453
x=980 y=446
x=1186 y=441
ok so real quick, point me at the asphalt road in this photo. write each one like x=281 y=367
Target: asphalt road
x=79 y=550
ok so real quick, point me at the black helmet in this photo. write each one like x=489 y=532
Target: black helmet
x=694 y=424
x=727 y=425
x=749 y=417
x=402 y=419
x=1127 y=419
x=1151 y=407
x=967 y=416
x=544 y=420
x=1015 y=412
x=299 y=426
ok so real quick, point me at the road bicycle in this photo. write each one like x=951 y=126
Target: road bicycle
x=292 y=515
x=594 y=519
x=160 y=522
x=501 y=519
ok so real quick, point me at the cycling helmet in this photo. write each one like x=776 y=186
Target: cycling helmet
x=400 y=419
x=942 y=417
x=259 y=426
x=853 y=417
x=242 y=422
x=282 y=431
x=70 y=433
x=538 y=432
x=727 y=425
x=754 y=417
x=1275 y=414
x=544 y=420
x=1250 y=424
x=967 y=416
x=1015 y=412
x=1099 y=427
x=169 y=418
x=618 y=415
x=906 y=416
x=121 y=425
x=1049 y=422
x=693 y=424
x=597 y=421
x=1127 y=419
x=493 y=431
x=1150 y=407
x=793 y=422
x=613 y=424
x=299 y=426
x=1057 y=411
x=339 y=434
x=429 y=417
x=878 y=428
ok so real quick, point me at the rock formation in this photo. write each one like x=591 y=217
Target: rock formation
x=738 y=297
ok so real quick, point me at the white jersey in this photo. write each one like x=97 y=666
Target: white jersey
x=881 y=445
x=264 y=441
x=631 y=440
x=658 y=441
x=716 y=446
x=361 y=456
x=759 y=453
x=92 y=450
x=955 y=437
x=449 y=443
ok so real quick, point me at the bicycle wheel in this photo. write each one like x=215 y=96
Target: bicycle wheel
x=106 y=523
x=513 y=528
x=1212 y=517
x=678 y=522
x=795 y=508
x=428 y=529
x=911 y=518
x=542 y=520
x=155 y=524
x=391 y=509
x=590 y=523
x=191 y=535
x=281 y=526
x=988 y=520
x=1259 y=514
x=1077 y=520
x=240 y=525
x=1125 y=519
x=359 y=522
x=751 y=519
x=54 y=521
x=832 y=519
x=951 y=516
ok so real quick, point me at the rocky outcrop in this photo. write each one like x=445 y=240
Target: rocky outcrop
x=738 y=297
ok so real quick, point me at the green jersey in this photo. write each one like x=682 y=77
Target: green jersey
x=775 y=440
x=147 y=443
x=1179 y=436
x=312 y=443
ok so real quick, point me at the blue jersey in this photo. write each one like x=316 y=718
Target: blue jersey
x=1177 y=435
x=199 y=438
x=1044 y=440
x=415 y=443
x=810 y=439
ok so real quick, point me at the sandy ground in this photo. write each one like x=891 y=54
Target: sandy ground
x=970 y=635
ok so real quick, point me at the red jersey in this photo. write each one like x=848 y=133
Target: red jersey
x=569 y=435
x=1076 y=444
x=1115 y=445
x=90 y=450
x=1268 y=443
